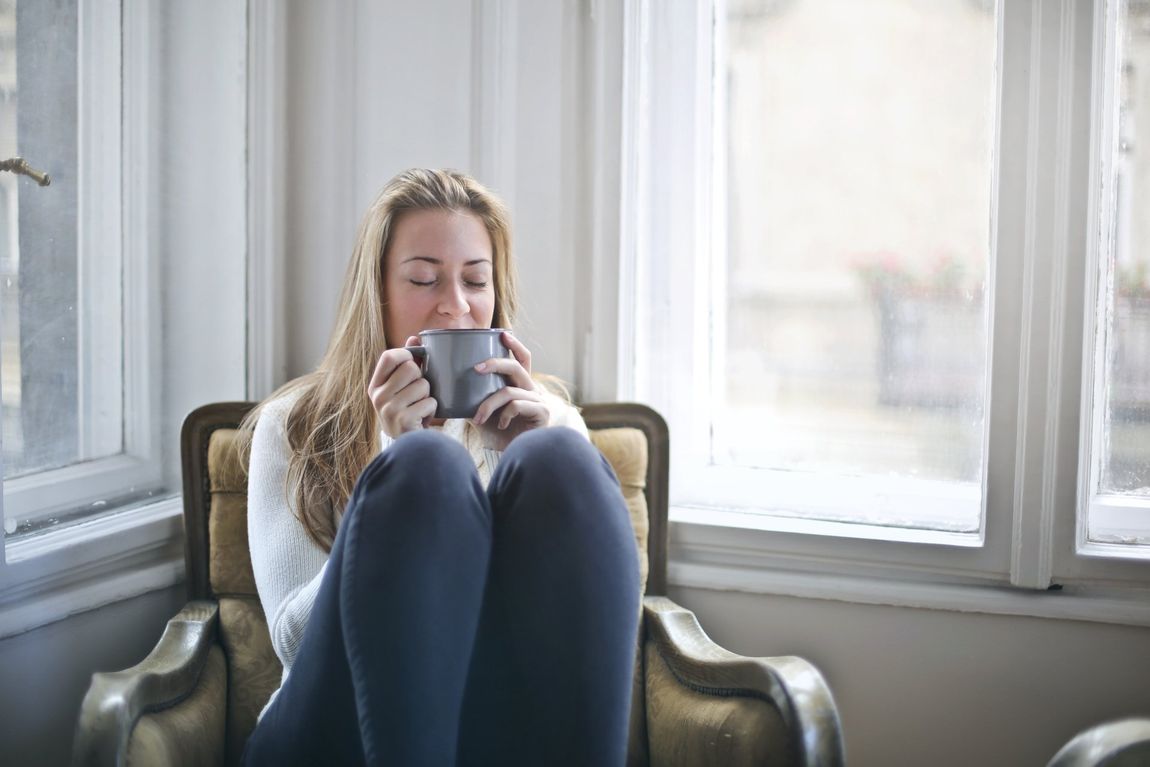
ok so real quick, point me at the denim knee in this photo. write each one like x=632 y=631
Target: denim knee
x=553 y=458
x=424 y=451
x=556 y=446
x=421 y=469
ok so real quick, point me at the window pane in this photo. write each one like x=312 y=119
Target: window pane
x=9 y=248
x=859 y=170
x=1126 y=450
x=41 y=322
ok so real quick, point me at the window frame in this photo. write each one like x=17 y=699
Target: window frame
x=116 y=311
x=67 y=569
x=1112 y=514
x=1044 y=138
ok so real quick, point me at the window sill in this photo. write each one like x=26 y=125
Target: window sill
x=721 y=556
x=779 y=523
x=51 y=576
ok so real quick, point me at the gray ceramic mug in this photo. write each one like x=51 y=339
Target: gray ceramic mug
x=449 y=358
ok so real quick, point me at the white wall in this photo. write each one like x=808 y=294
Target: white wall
x=45 y=673
x=372 y=91
x=943 y=688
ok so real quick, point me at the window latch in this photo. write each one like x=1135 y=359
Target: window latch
x=19 y=166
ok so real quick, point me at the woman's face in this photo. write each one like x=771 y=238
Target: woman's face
x=437 y=274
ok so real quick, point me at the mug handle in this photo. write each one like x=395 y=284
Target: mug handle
x=419 y=353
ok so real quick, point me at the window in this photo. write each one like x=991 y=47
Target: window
x=1117 y=464
x=869 y=246
x=121 y=311
x=70 y=446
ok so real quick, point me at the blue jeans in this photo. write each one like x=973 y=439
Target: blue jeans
x=455 y=625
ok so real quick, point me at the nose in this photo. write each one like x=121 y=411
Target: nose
x=453 y=302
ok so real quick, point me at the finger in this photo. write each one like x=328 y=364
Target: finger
x=501 y=398
x=403 y=376
x=520 y=352
x=424 y=408
x=516 y=374
x=531 y=412
x=418 y=415
x=386 y=365
x=411 y=341
x=409 y=395
x=413 y=410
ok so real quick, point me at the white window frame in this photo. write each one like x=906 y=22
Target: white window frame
x=1104 y=520
x=63 y=570
x=116 y=312
x=49 y=576
x=1028 y=561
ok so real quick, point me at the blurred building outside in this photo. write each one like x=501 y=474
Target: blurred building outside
x=859 y=211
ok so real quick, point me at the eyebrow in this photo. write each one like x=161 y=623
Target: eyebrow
x=437 y=261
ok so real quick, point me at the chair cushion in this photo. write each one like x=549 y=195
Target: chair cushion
x=254 y=671
x=626 y=451
x=230 y=561
x=226 y=473
x=637 y=722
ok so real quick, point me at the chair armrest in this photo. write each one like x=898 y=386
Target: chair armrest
x=790 y=684
x=1112 y=744
x=115 y=700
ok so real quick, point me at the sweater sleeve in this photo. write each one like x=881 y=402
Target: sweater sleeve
x=288 y=566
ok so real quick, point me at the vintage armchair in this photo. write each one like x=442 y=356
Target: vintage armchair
x=195 y=698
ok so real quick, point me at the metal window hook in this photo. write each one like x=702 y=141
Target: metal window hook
x=19 y=166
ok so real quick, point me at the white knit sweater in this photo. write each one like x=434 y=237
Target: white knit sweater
x=287 y=564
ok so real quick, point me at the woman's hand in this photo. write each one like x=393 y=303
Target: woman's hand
x=518 y=406
x=399 y=392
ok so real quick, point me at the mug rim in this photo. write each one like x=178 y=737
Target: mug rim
x=439 y=331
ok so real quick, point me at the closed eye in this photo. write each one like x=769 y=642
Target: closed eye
x=422 y=284
x=471 y=284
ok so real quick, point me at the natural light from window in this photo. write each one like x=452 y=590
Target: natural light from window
x=859 y=171
x=1122 y=413
x=79 y=427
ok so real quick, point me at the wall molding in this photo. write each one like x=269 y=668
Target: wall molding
x=494 y=96
x=266 y=182
x=1046 y=460
x=610 y=81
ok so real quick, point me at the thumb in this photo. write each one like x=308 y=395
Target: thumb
x=411 y=341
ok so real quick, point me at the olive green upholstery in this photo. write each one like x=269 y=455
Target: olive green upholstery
x=195 y=699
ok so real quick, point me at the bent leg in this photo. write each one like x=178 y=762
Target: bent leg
x=551 y=679
x=389 y=642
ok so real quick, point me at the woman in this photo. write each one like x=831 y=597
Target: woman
x=459 y=592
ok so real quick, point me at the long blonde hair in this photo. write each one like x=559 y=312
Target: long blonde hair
x=332 y=428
